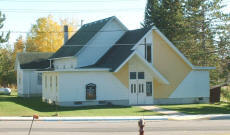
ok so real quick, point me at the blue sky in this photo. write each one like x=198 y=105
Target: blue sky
x=21 y=14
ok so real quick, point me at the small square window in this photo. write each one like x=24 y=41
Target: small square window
x=133 y=75
x=141 y=75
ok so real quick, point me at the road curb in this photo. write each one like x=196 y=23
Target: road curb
x=123 y=118
x=84 y=118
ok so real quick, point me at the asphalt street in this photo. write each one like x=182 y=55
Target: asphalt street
x=197 y=127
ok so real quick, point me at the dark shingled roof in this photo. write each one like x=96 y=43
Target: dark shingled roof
x=33 y=60
x=82 y=37
x=120 y=51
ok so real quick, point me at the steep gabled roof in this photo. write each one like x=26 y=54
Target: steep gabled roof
x=121 y=50
x=33 y=60
x=80 y=38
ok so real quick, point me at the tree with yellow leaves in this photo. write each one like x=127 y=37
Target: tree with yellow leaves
x=47 y=35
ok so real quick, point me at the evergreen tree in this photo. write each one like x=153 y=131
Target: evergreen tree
x=198 y=28
x=3 y=38
x=166 y=15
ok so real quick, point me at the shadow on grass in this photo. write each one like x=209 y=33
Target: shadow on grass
x=217 y=108
x=36 y=104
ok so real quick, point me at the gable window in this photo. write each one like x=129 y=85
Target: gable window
x=149 y=56
x=39 y=81
x=133 y=75
x=141 y=75
x=148 y=51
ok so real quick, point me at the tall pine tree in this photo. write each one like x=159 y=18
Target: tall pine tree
x=195 y=27
x=3 y=38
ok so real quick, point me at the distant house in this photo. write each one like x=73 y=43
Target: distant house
x=29 y=82
x=105 y=63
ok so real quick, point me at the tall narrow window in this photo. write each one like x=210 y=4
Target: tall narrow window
x=148 y=51
x=149 y=55
x=50 y=81
x=45 y=81
x=19 y=78
x=56 y=81
x=145 y=48
x=134 y=88
x=39 y=81
x=148 y=88
x=131 y=88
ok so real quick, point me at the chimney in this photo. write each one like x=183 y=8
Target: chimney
x=66 y=35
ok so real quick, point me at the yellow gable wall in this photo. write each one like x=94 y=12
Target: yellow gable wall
x=123 y=75
x=170 y=65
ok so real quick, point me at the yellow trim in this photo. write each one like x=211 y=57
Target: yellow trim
x=123 y=75
x=170 y=65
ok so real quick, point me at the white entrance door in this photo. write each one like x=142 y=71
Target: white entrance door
x=137 y=88
x=133 y=91
x=141 y=91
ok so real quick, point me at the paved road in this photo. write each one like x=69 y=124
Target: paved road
x=198 y=127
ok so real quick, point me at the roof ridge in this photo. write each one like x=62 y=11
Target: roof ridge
x=105 y=19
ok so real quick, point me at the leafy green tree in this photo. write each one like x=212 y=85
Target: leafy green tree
x=6 y=73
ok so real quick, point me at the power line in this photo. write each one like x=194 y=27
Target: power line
x=70 y=11
x=67 y=1
x=84 y=30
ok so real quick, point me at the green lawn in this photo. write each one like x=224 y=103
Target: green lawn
x=16 y=106
x=218 y=108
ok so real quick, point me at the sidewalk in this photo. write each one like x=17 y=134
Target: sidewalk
x=124 y=118
x=161 y=110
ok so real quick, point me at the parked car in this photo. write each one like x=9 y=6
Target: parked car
x=5 y=91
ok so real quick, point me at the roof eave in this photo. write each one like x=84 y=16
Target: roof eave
x=158 y=75
x=203 y=68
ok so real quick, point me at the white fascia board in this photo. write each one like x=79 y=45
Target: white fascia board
x=130 y=56
x=79 y=70
x=161 y=78
x=122 y=25
x=173 y=46
x=157 y=73
x=89 y=42
x=61 y=58
x=203 y=68
x=136 y=45
x=29 y=69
